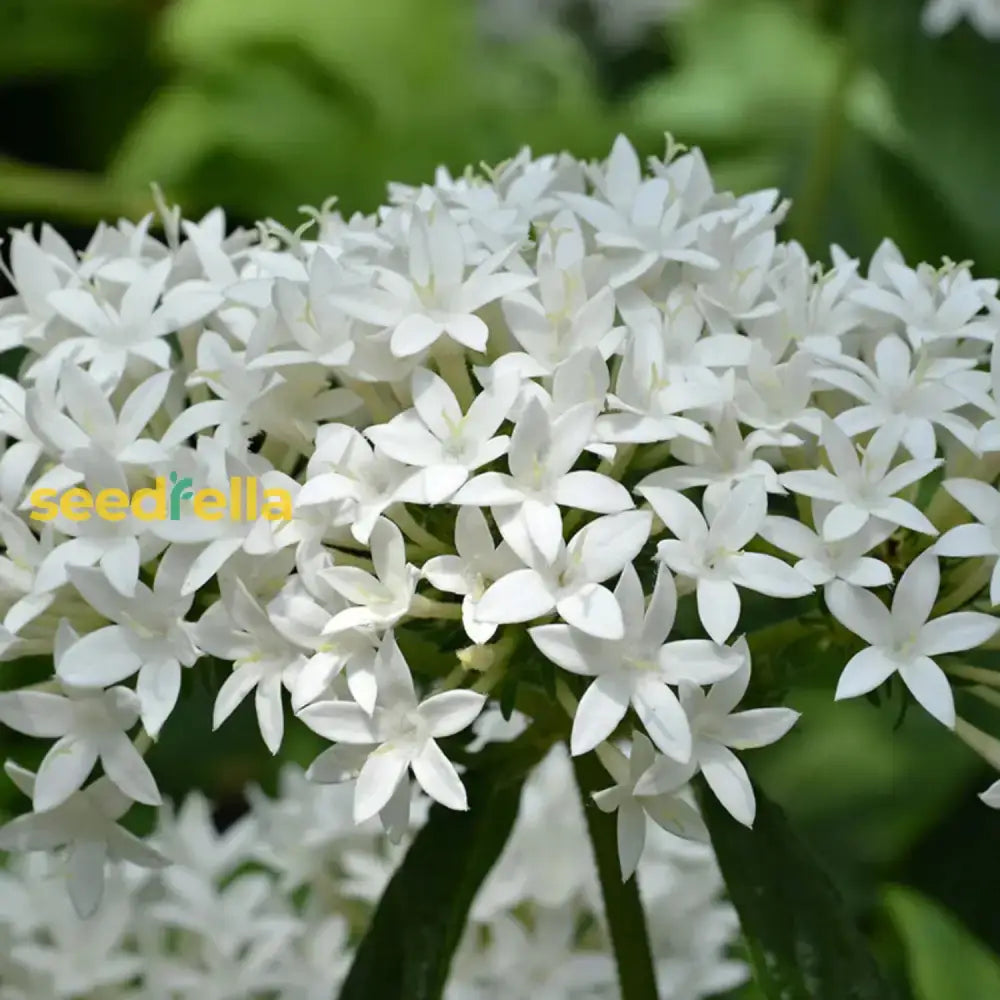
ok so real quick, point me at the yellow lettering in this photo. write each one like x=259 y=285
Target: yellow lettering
x=209 y=505
x=76 y=504
x=277 y=505
x=158 y=494
x=111 y=505
x=45 y=506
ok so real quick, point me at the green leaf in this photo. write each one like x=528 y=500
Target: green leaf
x=943 y=958
x=946 y=99
x=802 y=943
x=407 y=951
x=55 y=37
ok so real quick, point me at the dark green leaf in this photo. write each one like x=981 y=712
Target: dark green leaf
x=947 y=101
x=801 y=941
x=419 y=921
x=944 y=959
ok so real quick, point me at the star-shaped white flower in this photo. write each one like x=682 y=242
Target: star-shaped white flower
x=402 y=731
x=902 y=640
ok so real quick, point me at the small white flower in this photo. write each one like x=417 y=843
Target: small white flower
x=572 y=584
x=982 y=501
x=86 y=824
x=238 y=630
x=436 y=437
x=381 y=600
x=479 y=562
x=861 y=489
x=711 y=553
x=718 y=730
x=403 y=732
x=903 y=641
x=542 y=452
x=88 y=726
x=665 y=807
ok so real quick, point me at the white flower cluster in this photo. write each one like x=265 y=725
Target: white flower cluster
x=555 y=392
x=941 y=16
x=272 y=907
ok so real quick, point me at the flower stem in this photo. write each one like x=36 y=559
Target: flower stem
x=416 y=533
x=622 y=905
x=976 y=579
x=453 y=369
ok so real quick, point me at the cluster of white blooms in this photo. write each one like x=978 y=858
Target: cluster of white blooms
x=498 y=437
x=942 y=15
x=273 y=906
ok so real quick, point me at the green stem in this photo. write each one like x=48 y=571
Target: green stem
x=453 y=369
x=975 y=580
x=622 y=905
x=30 y=189
x=980 y=675
x=416 y=533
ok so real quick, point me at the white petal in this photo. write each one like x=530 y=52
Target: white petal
x=413 y=335
x=99 y=659
x=209 y=561
x=517 y=597
x=559 y=644
x=769 y=575
x=594 y=610
x=864 y=672
x=124 y=765
x=362 y=683
x=158 y=687
x=915 y=594
x=601 y=708
x=757 y=727
x=448 y=573
x=844 y=521
x=592 y=491
x=270 y=714
x=62 y=772
x=966 y=540
x=438 y=778
x=120 y=564
x=698 y=661
x=338 y=764
x=728 y=779
x=489 y=489
x=664 y=719
x=545 y=528
x=605 y=546
x=234 y=689
x=340 y=722
x=860 y=612
x=992 y=795
x=673 y=814
x=741 y=516
x=85 y=876
x=435 y=403
x=631 y=830
x=929 y=685
x=451 y=711
x=718 y=608
x=37 y=713
x=678 y=513
x=956 y=632
x=379 y=776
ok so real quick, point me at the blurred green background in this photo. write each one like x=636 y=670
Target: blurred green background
x=873 y=129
